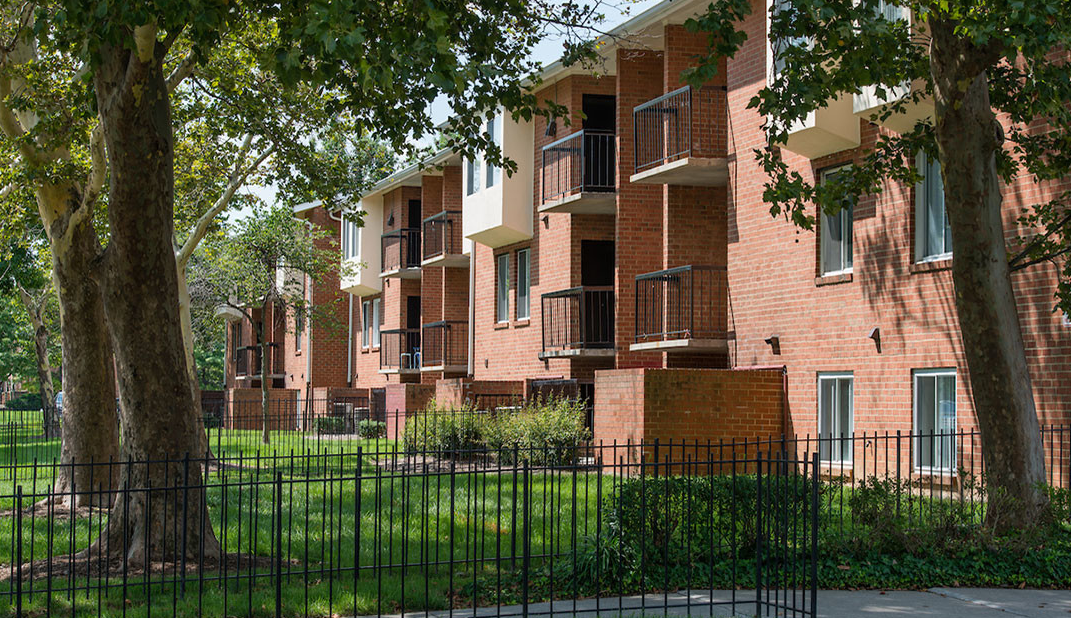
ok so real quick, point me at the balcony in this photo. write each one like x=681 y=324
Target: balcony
x=674 y=139
x=399 y=351
x=579 y=174
x=826 y=130
x=682 y=309
x=247 y=362
x=401 y=254
x=445 y=346
x=442 y=240
x=871 y=106
x=578 y=322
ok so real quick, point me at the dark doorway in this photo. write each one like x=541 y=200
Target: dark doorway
x=597 y=300
x=596 y=262
x=600 y=147
x=412 y=247
x=411 y=354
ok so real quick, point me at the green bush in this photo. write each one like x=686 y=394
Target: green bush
x=448 y=433
x=371 y=429
x=330 y=425
x=547 y=432
x=25 y=401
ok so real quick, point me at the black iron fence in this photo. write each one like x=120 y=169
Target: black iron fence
x=585 y=161
x=399 y=349
x=445 y=345
x=687 y=302
x=677 y=125
x=372 y=534
x=401 y=249
x=578 y=318
x=442 y=234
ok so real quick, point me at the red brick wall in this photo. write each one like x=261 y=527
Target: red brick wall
x=403 y=401
x=687 y=405
x=452 y=393
x=244 y=409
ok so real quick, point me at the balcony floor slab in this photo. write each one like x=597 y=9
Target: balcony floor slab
x=578 y=353
x=584 y=203
x=448 y=260
x=401 y=273
x=688 y=171
x=682 y=345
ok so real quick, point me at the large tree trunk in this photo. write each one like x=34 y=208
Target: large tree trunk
x=89 y=427
x=35 y=310
x=140 y=290
x=968 y=136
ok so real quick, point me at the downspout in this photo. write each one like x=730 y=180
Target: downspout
x=349 y=345
x=472 y=310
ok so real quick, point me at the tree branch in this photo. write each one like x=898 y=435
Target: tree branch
x=1038 y=260
x=182 y=71
x=1014 y=262
x=238 y=179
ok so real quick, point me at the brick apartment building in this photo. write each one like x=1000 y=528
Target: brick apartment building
x=306 y=361
x=631 y=259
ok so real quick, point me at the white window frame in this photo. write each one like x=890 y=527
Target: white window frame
x=916 y=444
x=472 y=176
x=502 y=288
x=377 y=316
x=493 y=128
x=524 y=288
x=366 y=324
x=351 y=240
x=835 y=454
x=846 y=215
x=926 y=189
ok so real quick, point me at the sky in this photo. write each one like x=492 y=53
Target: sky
x=546 y=51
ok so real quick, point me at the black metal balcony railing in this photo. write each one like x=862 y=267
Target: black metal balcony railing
x=582 y=162
x=688 y=302
x=674 y=126
x=401 y=249
x=247 y=360
x=578 y=318
x=399 y=350
x=442 y=234
x=445 y=344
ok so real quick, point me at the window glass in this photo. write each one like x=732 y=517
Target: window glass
x=933 y=235
x=835 y=417
x=935 y=419
x=377 y=321
x=493 y=132
x=502 y=289
x=836 y=236
x=523 y=285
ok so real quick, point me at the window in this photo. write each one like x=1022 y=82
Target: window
x=836 y=239
x=351 y=240
x=493 y=133
x=778 y=46
x=524 y=284
x=236 y=338
x=366 y=324
x=835 y=417
x=472 y=176
x=299 y=328
x=935 y=419
x=370 y=321
x=377 y=321
x=933 y=236
x=502 y=288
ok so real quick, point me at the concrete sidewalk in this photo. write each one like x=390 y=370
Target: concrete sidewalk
x=944 y=602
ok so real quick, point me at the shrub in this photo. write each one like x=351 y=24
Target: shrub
x=371 y=429
x=25 y=401
x=547 y=432
x=330 y=425
x=447 y=433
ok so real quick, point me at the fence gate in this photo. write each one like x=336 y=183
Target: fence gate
x=786 y=544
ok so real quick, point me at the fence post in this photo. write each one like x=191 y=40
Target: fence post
x=185 y=515
x=758 y=532
x=526 y=545
x=278 y=544
x=816 y=481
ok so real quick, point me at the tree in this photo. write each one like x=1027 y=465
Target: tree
x=265 y=263
x=995 y=71
x=24 y=278
x=86 y=115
